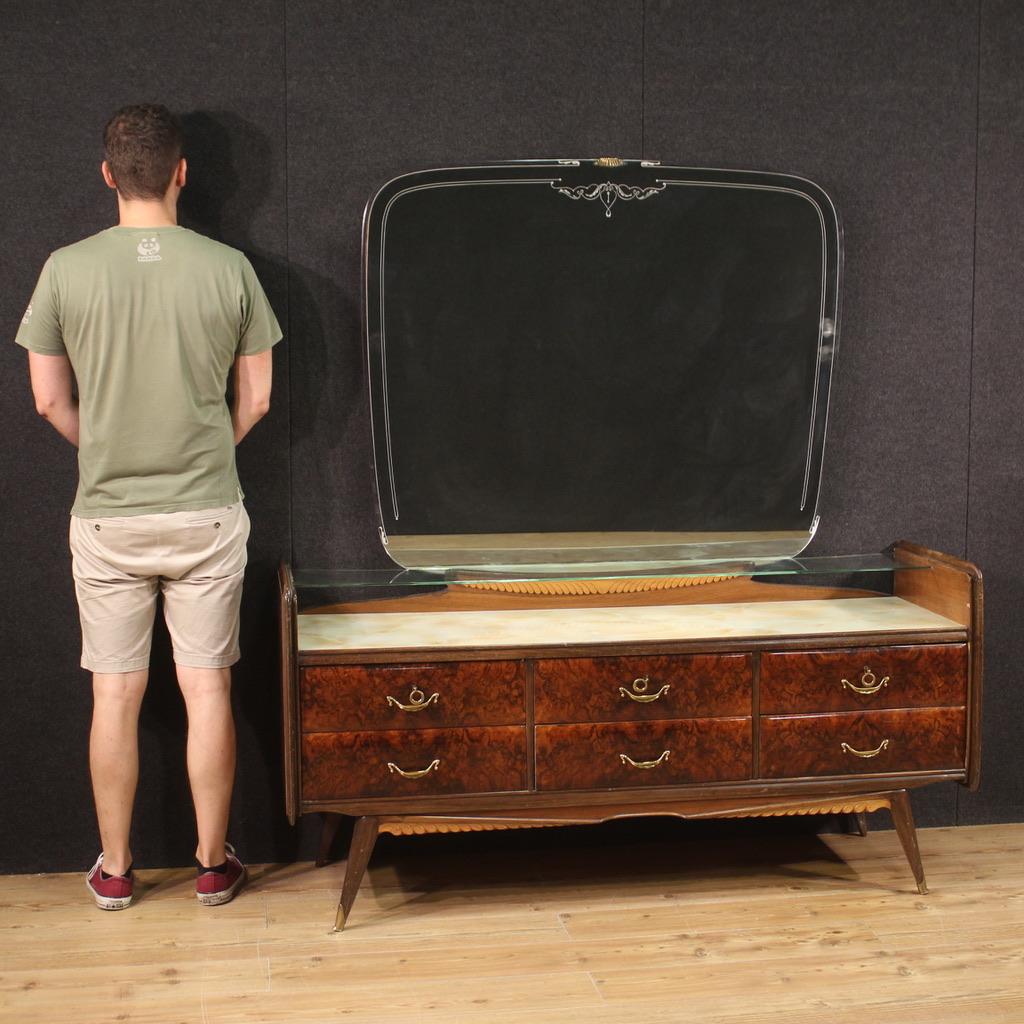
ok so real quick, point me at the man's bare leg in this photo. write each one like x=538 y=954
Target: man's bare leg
x=114 y=760
x=211 y=755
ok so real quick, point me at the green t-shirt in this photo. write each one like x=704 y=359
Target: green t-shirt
x=152 y=320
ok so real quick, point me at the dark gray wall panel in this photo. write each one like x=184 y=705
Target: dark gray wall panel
x=380 y=88
x=65 y=69
x=876 y=102
x=997 y=426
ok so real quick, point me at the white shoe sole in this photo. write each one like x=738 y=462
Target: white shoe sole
x=108 y=902
x=215 y=899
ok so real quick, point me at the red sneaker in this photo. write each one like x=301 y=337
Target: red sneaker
x=216 y=887
x=111 y=893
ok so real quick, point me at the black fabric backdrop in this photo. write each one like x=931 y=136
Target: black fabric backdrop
x=911 y=114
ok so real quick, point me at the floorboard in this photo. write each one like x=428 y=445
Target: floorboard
x=797 y=929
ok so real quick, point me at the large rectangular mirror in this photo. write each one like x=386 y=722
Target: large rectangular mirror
x=586 y=364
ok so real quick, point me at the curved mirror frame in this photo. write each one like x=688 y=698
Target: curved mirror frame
x=581 y=367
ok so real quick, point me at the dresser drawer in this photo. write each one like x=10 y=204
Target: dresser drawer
x=347 y=697
x=643 y=754
x=870 y=677
x=863 y=742
x=423 y=762
x=642 y=688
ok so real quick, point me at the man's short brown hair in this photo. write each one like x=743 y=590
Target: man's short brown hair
x=142 y=145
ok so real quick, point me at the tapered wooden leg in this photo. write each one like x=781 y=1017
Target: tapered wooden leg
x=364 y=835
x=903 y=819
x=328 y=830
x=859 y=821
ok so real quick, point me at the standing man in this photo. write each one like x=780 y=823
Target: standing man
x=150 y=318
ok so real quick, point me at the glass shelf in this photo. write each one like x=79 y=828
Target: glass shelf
x=818 y=565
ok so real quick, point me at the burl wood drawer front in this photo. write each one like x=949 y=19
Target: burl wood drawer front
x=426 y=762
x=348 y=697
x=859 y=742
x=643 y=754
x=642 y=688
x=870 y=677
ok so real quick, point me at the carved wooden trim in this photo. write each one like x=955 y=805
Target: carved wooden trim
x=846 y=807
x=414 y=824
x=615 y=586
x=421 y=828
x=429 y=827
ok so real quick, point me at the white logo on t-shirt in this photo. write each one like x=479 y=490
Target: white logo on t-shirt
x=149 y=250
x=28 y=314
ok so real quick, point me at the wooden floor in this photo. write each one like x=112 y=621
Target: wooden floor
x=799 y=930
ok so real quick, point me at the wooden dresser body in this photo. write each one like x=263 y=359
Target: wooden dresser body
x=439 y=736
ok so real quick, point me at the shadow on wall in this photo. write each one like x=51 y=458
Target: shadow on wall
x=231 y=170
x=229 y=181
x=221 y=202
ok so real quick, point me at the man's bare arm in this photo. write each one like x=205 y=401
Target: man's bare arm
x=252 y=391
x=52 y=387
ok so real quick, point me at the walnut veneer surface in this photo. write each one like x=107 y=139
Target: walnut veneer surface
x=919 y=676
x=627 y=689
x=858 y=742
x=499 y=718
x=373 y=697
x=468 y=760
x=591 y=756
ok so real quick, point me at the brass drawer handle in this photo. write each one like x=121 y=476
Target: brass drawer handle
x=847 y=749
x=868 y=683
x=436 y=763
x=639 y=691
x=418 y=700
x=626 y=759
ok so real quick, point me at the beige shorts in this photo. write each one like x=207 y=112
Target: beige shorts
x=196 y=559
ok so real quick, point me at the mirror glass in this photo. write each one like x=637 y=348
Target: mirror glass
x=577 y=366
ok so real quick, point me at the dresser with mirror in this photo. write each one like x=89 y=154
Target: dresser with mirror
x=599 y=394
